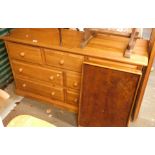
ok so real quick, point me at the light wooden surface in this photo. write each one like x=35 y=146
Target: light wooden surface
x=101 y=46
x=90 y=33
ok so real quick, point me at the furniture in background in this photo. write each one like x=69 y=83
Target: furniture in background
x=89 y=33
x=60 y=35
x=97 y=81
x=5 y=69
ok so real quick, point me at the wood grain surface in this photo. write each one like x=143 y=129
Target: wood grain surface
x=107 y=96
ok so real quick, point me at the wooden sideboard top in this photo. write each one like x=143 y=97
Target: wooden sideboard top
x=101 y=46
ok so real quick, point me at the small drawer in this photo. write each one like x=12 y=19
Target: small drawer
x=39 y=73
x=53 y=93
x=116 y=65
x=64 y=60
x=24 y=52
x=72 y=97
x=73 y=80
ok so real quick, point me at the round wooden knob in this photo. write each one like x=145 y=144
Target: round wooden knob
x=103 y=111
x=75 y=84
x=51 y=77
x=20 y=70
x=61 y=62
x=75 y=100
x=22 y=54
x=53 y=93
x=58 y=75
x=23 y=85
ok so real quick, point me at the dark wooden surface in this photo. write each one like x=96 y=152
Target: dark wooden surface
x=107 y=96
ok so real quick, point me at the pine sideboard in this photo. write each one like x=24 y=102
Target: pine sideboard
x=97 y=82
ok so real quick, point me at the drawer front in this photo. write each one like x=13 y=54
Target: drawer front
x=73 y=80
x=116 y=65
x=25 y=53
x=35 y=72
x=64 y=60
x=72 y=97
x=40 y=89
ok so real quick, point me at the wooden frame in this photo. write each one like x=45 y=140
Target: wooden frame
x=60 y=35
x=146 y=73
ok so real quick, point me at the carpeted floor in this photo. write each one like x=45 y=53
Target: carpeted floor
x=8 y=105
x=44 y=111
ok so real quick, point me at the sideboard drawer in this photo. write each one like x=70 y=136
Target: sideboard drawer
x=64 y=60
x=116 y=65
x=73 y=80
x=35 y=72
x=24 y=52
x=40 y=89
x=72 y=97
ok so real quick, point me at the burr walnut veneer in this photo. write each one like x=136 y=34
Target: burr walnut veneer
x=97 y=82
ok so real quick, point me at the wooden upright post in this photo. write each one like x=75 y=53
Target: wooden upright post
x=151 y=52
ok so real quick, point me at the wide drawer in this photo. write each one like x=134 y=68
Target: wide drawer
x=73 y=80
x=72 y=97
x=24 y=52
x=131 y=68
x=64 y=60
x=40 y=89
x=36 y=72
